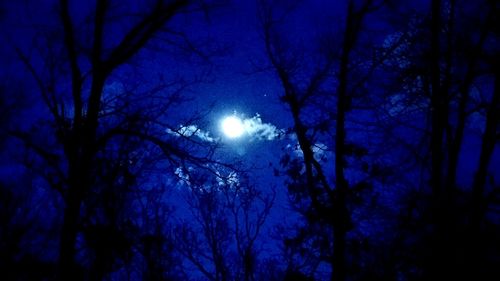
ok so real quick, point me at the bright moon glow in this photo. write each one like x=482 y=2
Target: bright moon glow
x=232 y=127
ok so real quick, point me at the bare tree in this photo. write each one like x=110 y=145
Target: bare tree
x=310 y=93
x=229 y=216
x=439 y=79
x=92 y=119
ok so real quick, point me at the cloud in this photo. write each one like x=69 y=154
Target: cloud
x=258 y=130
x=320 y=150
x=223 y=180
x=253 y=127
x=192 y=131
x=183 y=176
x=231 y=180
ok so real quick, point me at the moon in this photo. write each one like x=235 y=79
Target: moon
x=232 y=127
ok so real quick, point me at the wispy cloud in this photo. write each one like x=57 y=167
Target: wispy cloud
x=319 y=150
x=183 y=176
x=223 y=179
x=255 y=128
x=231 y=180
x=192 y=131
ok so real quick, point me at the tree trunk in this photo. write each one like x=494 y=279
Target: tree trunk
x=80 y=151
x=440 y=244
x=67 y=266
x=341 y=216
x=478 y=203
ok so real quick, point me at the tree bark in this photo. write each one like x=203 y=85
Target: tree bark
x=478 y=201
x=440 y=242
x=341 y=216
x=78 y=182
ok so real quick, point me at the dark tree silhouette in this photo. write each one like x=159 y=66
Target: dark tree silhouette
x=112 y=167
x=310 y=93
x=229 y=215
x=85 y=128
x=439 y=77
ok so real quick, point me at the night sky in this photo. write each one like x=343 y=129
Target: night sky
x=249 y=140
